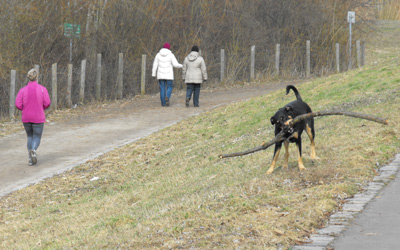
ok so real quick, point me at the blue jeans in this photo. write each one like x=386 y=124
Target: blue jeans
x=169 y=85
x=34 y=132
x=195 y=89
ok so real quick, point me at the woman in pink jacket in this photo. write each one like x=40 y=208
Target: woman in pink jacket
x=32 y=100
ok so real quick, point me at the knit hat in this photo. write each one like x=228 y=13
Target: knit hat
x=167 y=46
x=32 y=75
x=195 y=48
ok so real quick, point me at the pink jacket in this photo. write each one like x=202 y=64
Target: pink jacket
x=32 y=100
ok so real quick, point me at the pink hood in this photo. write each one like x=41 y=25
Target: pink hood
x=32 y=100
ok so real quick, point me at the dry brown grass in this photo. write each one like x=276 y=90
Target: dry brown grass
x=170 y=190
x=388 y=10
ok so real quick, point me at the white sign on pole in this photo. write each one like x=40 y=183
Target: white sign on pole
x=351 y=17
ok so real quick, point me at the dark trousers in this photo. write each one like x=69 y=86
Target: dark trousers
x=34 y=132
x=195 y=89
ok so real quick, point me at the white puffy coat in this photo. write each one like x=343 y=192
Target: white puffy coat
x=194 y=68
x=163 y=65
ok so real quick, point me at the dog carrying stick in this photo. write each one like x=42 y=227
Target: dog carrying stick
x=345 y=113
x=277 y=139
x=289 y=124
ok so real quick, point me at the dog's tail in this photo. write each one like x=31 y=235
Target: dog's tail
x=296 y=92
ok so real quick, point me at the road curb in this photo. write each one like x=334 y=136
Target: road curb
x=339 y=221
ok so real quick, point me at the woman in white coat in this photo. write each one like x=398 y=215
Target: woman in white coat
x=163 y=65
x=194 y=74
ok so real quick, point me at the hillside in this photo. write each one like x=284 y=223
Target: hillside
x=170 y=190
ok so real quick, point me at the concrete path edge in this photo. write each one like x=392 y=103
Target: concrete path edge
x=339 y=221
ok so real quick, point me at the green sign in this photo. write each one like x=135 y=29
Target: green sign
x=72 y=30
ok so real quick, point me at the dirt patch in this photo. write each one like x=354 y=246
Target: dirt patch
x=75 y=136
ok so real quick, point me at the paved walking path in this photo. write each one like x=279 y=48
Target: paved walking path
x=378 y=226
x=368 y=221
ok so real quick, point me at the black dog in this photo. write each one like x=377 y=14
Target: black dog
x=290 y=111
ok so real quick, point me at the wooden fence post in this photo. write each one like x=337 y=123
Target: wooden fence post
x=358 y=46
x=308 y=66
x=363 y=53
x=277 y=55
x=69 y=86
x=143 y=76
x=252 y=62
x=337 y=58
x=37 y=67
x=360 y=62
x=120 y=75
x=222 y=65
x=54 y=87
x=82 y=81
x=12 y=94
x=98 y=77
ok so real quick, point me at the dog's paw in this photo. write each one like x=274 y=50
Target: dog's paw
x=315 y=160
x=302 y=169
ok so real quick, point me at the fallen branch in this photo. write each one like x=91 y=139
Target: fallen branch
x=345 y=113
x=279 y=137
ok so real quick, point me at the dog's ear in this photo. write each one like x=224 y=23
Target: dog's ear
x=288 y=109
x=273 y=121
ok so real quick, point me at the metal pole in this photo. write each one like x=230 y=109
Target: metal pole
x=350 y=65
x=70 y=50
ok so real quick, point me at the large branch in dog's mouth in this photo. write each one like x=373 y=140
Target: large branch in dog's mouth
x=289 y=124
x=278 y=138
x=299 y=118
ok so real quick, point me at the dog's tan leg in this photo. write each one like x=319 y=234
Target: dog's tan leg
x=300 y=161
x=285 y=163
x=309 y=133
x=271 y=168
